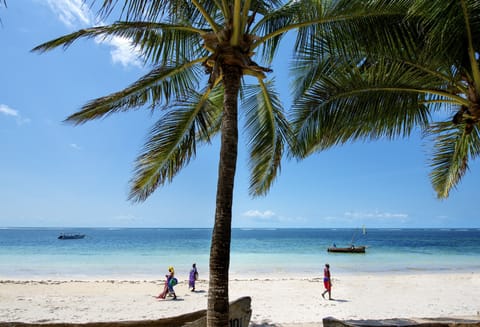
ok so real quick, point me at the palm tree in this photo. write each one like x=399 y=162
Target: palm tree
x=182 y=39
x=425 y=77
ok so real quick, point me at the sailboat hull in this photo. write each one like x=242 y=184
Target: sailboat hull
x=351 y=249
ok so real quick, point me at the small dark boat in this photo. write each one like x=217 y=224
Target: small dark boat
x=350 y=249
x=71 y=236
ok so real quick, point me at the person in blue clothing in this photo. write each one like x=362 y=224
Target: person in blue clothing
x=170 y=282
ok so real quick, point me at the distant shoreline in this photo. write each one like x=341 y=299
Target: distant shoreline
x=183 y=276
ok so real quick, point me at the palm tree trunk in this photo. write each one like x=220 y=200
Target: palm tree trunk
x=218 y=306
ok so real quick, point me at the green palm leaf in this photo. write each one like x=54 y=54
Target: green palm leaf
x=157 y=88
x=453 y=26
x=452 y=151
x=157 y=43
x=215 y=112
x=348 y=27
x=268 y=132
x=276 y=19
x=384 y=70
x=173 y=142
x=149 y=10
x=355 y=103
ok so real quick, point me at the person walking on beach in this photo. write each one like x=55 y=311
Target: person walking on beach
x=327 y=282
x=193 y=277
x=170 y=282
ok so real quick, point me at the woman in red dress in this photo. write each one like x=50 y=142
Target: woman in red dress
x=327 y=282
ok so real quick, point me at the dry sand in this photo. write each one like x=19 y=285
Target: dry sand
x=276 y=301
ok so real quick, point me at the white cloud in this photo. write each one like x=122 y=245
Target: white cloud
x=123 y=52
x=375 y=215
x=76 y=14
x=6 y=110
x=259 y=214
x=71 y=12
x=271 y=217
x=75 y=146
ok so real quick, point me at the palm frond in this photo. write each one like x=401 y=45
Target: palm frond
x=351 y=28
x=277 y=18
x=140 y=10
x=215 y=112
x=268 y=132
x=452 y=151
x=156 y=42
x=445 y=25
x=157 y=87
x=171 y=44
x=452 y=30
x=173 y=142
x=354 y=103
x=171 y=10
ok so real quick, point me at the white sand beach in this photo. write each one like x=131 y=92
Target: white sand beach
x=276 y=301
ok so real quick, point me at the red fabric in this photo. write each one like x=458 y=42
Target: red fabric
x=326 y=279
x=327 y=285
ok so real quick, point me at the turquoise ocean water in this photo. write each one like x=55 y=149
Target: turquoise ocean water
x=36 y=253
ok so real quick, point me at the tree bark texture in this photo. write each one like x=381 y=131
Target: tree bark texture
x=218 y=302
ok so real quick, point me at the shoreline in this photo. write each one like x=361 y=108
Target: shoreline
x=277 y=300
x=284 y=275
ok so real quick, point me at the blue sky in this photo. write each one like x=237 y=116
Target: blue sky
x=53 y=174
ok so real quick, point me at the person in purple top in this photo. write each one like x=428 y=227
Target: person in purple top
x=193 y=277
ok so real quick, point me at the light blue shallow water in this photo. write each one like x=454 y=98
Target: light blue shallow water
x=146 y=253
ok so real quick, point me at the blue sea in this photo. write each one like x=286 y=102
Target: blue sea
x=36 y=253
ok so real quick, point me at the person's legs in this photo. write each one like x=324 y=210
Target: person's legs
x=325 y=284
x=171 y=291
x=164 y=293
x=328 y=289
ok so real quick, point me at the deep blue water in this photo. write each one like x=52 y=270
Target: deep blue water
x=146 y=253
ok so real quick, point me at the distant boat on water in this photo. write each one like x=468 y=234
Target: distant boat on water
x=350 y=249
x=70 y=236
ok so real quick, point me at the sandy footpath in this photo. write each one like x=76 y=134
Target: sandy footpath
x=276 y=301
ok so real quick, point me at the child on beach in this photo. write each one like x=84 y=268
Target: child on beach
x=170 y=282
x=327 y=282
x=193 y=277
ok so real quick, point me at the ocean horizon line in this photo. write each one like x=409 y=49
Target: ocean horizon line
x=236 y=228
